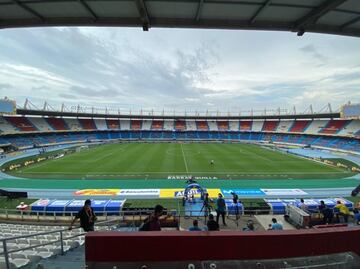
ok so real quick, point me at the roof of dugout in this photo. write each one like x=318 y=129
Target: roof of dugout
x=340 y=17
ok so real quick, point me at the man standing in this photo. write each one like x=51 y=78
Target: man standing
x=343 y=211
x=220 y=209
x=87 y=217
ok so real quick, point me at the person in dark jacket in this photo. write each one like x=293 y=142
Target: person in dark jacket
x=220 y=209
x=212 y=225
x=87 y=217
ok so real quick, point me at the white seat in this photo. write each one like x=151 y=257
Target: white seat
x=14 y=263
x=71 y=243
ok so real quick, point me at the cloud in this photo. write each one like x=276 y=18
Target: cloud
x=5 y=86
x=312 y=51
x=177 y=69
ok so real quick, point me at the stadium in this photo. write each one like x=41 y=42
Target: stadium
x=263 y=164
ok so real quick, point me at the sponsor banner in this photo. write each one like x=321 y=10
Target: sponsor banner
x=171 y=193
x=187 y=177
x=40 y=205
x=75 y=205
x=283 y=192
x=139 y=192
x=92 y=192
x=242 y=192
x=58 y=205
x=41 y=202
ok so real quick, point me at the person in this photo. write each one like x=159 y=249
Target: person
x=220 y=209
x=249 y=226
x=195 y=226
x=206 y=204
x=212 y=225
x=152 y=223
x=303 y=206
x=343 y=211
x=87 y=217
x=22 y=206
x=357 y=216
x=235 y=199
x=327 y=213
x=275 y=225
x=190 y=180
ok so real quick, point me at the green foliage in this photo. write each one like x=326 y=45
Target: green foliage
x=13 y=203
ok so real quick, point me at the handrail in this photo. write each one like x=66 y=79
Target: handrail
x=6 y=252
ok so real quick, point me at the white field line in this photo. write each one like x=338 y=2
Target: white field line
x=186 y=167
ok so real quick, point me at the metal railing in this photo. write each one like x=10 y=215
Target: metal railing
x=61 y=239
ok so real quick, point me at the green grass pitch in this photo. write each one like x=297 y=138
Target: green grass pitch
x=160 y=160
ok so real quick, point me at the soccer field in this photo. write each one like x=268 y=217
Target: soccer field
x=164 y=160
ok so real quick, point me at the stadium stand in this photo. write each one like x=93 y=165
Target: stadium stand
x=124 y=124
x=136 y=125
x=57 y=124
x=315 y=126
x=284 y=126
x=223 y=125
x=168 y=125
x=257 y=125
x=157 y=125
x=22 y=124
x=87 y=124
x=180 y=125
x=308 y=132
x=334 y=126
x=100 y=124
x=202 y=126
x=5 y=127
x=212 y=125
x=113 y=124
x=234 y=125
x=73 y=124
x=270 y=126
x=145 y=125
x=34 y=244
x=350 y=129
x=299 y=126
x=191 y=125
x=40 y=123
x=245 y=125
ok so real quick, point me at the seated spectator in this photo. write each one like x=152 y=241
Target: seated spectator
x=275 y=225
x=357 y=216
x=195 y=226
x=249 y=226
x=212 y=225
x=152 y=223
x=22 y=206
x=343 y=211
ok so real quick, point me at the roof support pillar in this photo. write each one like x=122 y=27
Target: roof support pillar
x=144 y=15
x=314 y=15
x=28 y=9
x=259 y=11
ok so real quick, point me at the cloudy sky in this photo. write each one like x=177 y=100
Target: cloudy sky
x=178 y=68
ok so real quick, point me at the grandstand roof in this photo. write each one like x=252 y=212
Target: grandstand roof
x=139 y=116
x=340 y=17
